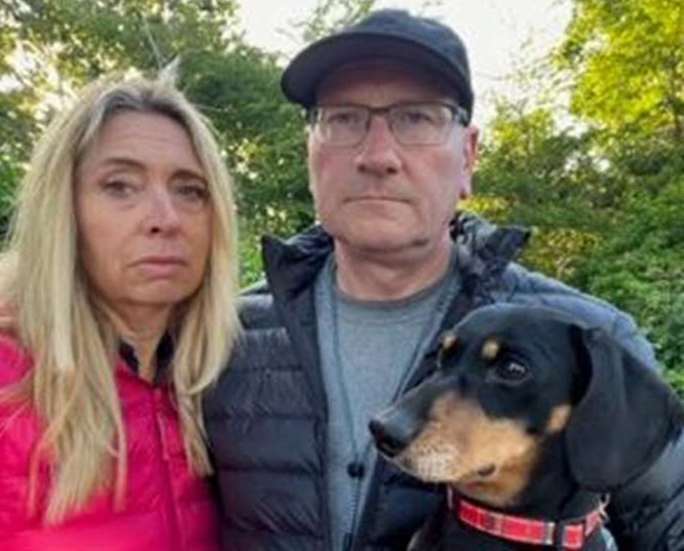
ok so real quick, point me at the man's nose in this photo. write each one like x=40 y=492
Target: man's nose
x=378 y=153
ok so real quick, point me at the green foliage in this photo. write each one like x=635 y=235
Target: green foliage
x=68 y=43
x=263 y=137
x=533 y=174
x=48 y=49
x=331 y=15
x=83 y=39
x=627 y=57
x=17 y=131
x=640 y=267
x=603 y=189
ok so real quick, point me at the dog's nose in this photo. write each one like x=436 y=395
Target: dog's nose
x=389 y=438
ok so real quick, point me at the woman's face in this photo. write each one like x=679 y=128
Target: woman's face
x=144 y=215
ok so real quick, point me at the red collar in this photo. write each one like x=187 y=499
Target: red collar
x=526 y=530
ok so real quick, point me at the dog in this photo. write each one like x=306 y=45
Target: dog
x=530 y=418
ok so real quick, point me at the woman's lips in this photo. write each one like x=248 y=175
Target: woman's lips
x=160 y=266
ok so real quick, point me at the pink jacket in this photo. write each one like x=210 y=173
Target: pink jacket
x=166 y=507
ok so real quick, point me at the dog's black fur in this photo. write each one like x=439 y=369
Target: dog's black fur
x=531 y=413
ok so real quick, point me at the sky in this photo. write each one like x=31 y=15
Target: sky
x=499 y=34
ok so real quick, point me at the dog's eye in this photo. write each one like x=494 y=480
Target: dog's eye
x=511 y=371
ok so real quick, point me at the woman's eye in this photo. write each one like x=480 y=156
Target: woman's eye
x=118 y=188
x=195 y=193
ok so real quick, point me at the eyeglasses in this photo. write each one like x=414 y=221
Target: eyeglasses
x=419 y=123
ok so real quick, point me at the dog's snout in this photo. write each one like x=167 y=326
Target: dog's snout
x=390 y=438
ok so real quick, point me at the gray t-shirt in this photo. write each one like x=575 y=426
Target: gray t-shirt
x=368 y=351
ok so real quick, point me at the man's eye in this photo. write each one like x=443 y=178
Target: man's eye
x=415 y=117
x=343 y=118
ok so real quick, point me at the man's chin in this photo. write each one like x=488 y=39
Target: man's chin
x=376 y=242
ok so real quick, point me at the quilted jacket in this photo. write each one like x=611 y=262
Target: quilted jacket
x=166 y=508
x=267 y=416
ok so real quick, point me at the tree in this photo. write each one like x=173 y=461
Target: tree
x=47 y=49
x=640 y=266
x=263 y=137
x=602 y=184
x=628 y=60
x=536 y=174
x=329 y=16
x=65 y=44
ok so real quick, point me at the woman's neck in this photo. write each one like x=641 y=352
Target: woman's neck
x=142 y=331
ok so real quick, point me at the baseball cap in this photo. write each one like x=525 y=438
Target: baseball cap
x=388 y=33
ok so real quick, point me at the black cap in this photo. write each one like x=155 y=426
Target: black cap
x=396 y=34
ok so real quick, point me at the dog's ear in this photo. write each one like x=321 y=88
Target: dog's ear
x=625 y=417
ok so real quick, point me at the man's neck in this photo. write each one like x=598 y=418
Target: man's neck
x=382 y=277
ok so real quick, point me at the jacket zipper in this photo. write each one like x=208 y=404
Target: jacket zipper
x=170 y=510
x=379 y=466
x=301 y=333
x=456 y=311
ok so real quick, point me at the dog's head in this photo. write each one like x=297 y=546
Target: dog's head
x=511 y=378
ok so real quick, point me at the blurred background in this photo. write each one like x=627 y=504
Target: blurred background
x=580 y=104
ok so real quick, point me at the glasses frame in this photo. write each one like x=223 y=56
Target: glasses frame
x=458 y=114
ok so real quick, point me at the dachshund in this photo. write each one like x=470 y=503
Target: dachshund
x=530 y=419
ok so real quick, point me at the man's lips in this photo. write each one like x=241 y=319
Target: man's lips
x=376 y=198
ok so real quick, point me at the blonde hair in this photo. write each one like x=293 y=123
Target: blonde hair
x=49 y=309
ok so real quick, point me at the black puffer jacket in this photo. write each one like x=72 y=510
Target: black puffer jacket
x=267 y=416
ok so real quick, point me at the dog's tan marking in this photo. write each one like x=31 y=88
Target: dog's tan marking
x=490 y=349
x=460 y=440
x=559 y=418
x=448 y=341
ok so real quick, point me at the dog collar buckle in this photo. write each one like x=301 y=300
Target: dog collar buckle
x=570 y=534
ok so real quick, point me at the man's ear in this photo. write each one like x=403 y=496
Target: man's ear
x=469 y=150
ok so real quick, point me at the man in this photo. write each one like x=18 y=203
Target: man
x=352 y=310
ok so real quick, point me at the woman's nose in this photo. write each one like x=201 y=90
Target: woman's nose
x=163 y=215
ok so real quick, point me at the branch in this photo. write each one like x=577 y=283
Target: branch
x=153 y=44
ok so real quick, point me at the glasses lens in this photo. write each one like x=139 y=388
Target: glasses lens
x=421 y=123
x=341 y=124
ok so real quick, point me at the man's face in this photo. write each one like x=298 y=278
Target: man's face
x=381 y=197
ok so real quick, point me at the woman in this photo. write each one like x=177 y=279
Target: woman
x=118 y=310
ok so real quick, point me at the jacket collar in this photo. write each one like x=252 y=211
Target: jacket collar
x=292 y=265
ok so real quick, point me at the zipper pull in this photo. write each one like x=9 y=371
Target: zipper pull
x=356 y=469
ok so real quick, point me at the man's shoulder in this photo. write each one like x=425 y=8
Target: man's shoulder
x=520 y=285
x=489 y=252
x=255 y=306
x=484 y=244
